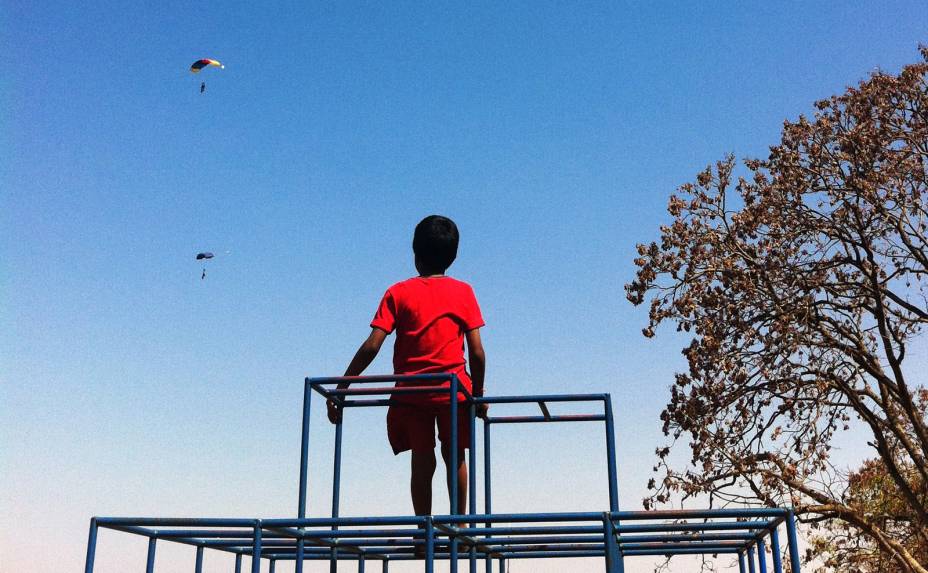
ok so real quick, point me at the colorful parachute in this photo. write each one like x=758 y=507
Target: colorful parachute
x=200 y=64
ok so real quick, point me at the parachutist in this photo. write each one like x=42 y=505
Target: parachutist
x=204 y=257
x=198 y=65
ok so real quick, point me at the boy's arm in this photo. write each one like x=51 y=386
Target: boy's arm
x=362 y=359
x=365 y=354
x=477 y=359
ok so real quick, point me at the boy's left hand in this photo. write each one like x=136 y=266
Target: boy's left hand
x=334 y=412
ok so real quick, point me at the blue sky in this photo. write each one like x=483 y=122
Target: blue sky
x=553 y=135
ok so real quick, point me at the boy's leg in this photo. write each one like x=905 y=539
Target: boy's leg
x=411 y=427
x=420 y=484
x=444 y=435
x=461 y=468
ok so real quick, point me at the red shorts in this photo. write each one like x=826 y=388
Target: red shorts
x=412 y=426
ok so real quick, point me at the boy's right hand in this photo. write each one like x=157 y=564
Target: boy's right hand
x=482 y=410
x=334 y=412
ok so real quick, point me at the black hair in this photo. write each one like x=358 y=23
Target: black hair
x=435 y=242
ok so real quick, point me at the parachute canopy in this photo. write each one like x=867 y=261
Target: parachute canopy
x=201 y=256
x=200 y=64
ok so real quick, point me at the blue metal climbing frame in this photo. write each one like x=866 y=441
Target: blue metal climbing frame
x=487 y=537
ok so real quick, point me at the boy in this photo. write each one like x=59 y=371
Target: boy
x=432 y=314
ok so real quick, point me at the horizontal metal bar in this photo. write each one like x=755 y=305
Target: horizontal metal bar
x=133 y=529
x=541 y=398
x=367 y=403
x=409 y=556
x=211 y=533
x=245 y=543
x=704 y=547
x=535 y=419
x=177 y=522
x=668 y=538
x=495 y=545
x=516 y=549
x=485 y=544
x=552 y=554
x=598 y=538
x=326 y=554
x=620 y=516
x=699 y=513
x=339 y=521
x=329 y=380
x=519 y=517
x=395 y=390
x=699 y=526
x=496 y=541
x=537 y=530
x=670 y=552
x=444 y=553
x=338 y=533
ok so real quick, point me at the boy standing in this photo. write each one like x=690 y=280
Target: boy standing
x=432 y=314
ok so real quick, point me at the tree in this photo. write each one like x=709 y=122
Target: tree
x=872 y=492
x=802 y=284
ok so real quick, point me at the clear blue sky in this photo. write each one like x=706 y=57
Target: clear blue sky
x=553 y=135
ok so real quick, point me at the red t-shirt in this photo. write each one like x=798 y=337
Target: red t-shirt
x=430 y=316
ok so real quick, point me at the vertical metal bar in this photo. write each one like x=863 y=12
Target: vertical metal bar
x=256 y=551
x=91 y=546
x=336 y=486
x=198 y=568
x=150 y=563
x=472 y=477
x=775 y=550
x=453 y=462
x=502 y=565
x=304 y=462
x=762 y=556
x=453 y=458
x=610 y=455
x=429 y=545
x=238 y=563
x=613 y=558
x=487 y=498
x=741 y=562
x=360 y=564
x=385 y=568
x=751 y=559
x=300 y=549
x=612 y=551
x=793 y=542
x=273 y=566
x=613 y=476
x=487 y=503
x=304 y=450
